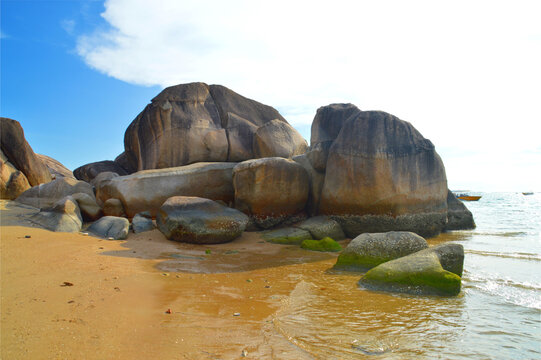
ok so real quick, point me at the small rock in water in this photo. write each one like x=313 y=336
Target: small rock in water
x=249 y=280
x=165 y=274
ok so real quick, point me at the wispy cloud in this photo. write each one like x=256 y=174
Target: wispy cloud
x=445 y=67
x=68 y=25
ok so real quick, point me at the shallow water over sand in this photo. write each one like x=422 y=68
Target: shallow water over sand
x=326 y=316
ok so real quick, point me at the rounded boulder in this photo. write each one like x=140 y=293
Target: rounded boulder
x=199 y=221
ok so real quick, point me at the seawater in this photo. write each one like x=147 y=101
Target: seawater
x=496 y=316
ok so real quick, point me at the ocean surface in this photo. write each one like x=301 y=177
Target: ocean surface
x=496 y=316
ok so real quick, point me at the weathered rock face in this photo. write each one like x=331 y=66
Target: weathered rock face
x=287 y=236
x=325 y=128
x=199 y=221
x=45 y=195
x=458 y=215
x=113 y=207
x=12 y=182
x=420 y=273
x=316 y=180
x=56 y=169
x=270 y=190
x=147 y=190
x=63 y=216
x=110 y=227
x=382 y=175
x=369 y=250
x=196 y=122
x=278 y=138
x=20 y=154
x=89 y=171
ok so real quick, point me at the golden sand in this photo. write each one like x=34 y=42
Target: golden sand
x=70 y=296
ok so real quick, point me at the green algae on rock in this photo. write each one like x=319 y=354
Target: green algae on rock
x=325 y=244
x=287 y=236
x=371 y=249
x=420 y=274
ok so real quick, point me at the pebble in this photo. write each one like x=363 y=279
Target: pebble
x=27 y=236
x=244 y=353
x=236 y=314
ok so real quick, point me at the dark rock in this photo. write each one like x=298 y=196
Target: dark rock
x=89 y=171
x=63 y=216
x=124 y=162
x=199 y=221
x=270 y=190
x=110 y=227
x=56 y=168
x=17 y=150
x=321 y=227
x=451 y=257
x=147 y=190
x=45 y=195
x=195 y=122
x=142 y=222
x=103 y=176
x=458 y=215
x=287 y=236
x=383 y=175
x=420 y=273
x=369 y=250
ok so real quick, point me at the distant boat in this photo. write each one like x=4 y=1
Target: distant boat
x=527 y=193
x=468 y=197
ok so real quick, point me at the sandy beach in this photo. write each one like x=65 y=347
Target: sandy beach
x=71 y=296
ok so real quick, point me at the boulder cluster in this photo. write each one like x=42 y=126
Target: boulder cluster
x=207 y=164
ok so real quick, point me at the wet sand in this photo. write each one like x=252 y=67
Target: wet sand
x=70 y=296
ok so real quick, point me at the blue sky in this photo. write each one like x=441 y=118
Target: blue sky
x=466 y=74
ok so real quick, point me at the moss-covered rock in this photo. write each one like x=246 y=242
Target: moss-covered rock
x=325 y=244
x=420 y=273
x=287 y=236
x=371 y=249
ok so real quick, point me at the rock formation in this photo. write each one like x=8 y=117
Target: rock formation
x=16 y=150
x=381 y=174
x=458 y=215
x=196 y=122
x=56 y=168
x=147 y=190
x=89 y=171
x=371 y=249
x=110 y=227
x=62 y=216
x=199 y=221
x=45 y=195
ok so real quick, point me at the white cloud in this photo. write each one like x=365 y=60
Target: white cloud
x=464 y=73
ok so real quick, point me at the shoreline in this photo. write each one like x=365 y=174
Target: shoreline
x=116 y=307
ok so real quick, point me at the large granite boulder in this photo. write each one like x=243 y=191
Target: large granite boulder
x=458 y=215
x=45 y=195
x=89 y=171
x=287 y=236
x=321 y=227
x=196 y=122
x=110 y=227
x=56 y=168
x=19 y=153
x=270 y=190
x=450 y=255
x=63 y=216
x=199 y=221
x=420 y=273
x=369 y=250
x=147 y=190
x=12 y=182
x=325 y=128
x=278 y=138
x=381 y=175
x=113 y=207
